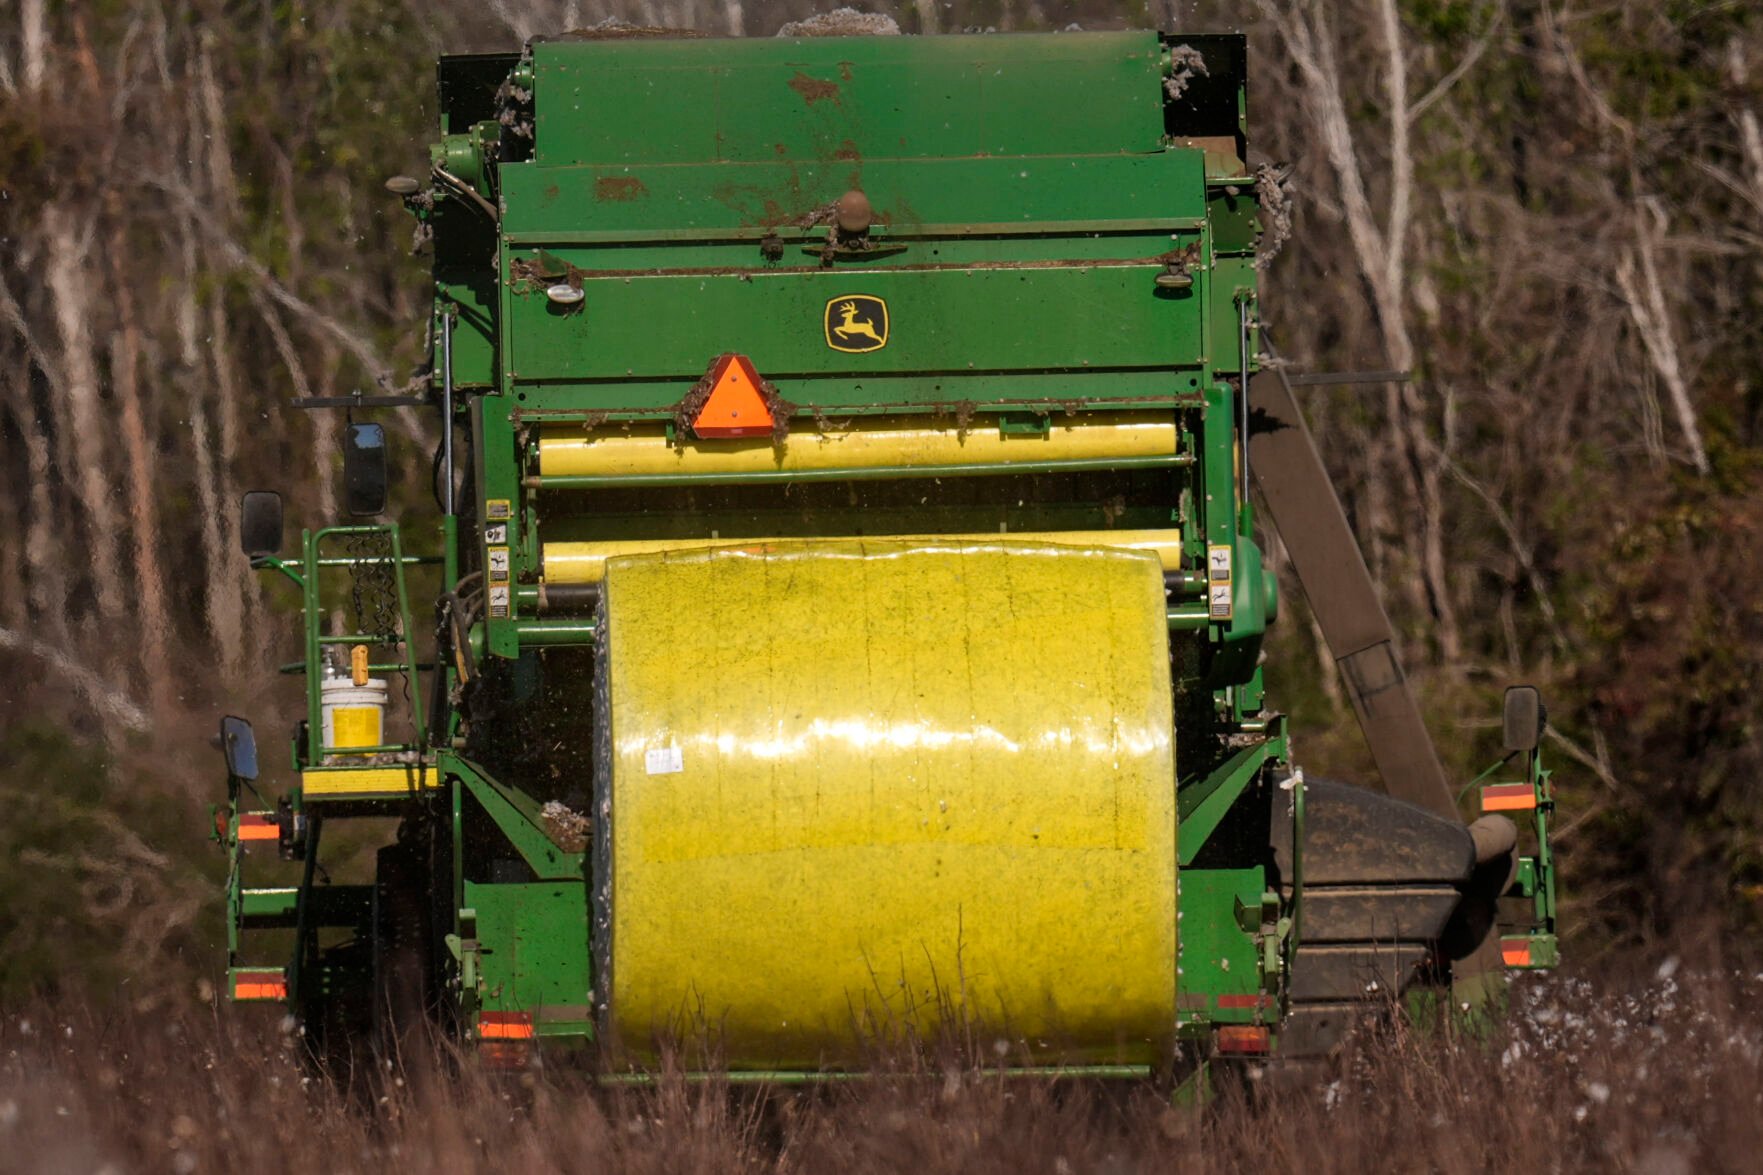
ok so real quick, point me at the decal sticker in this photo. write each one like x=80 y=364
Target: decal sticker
x=496 y=534
x=1218 y=564
x=498 y=565
x=499 y=508
x=499 y=602
x=1218 y=596
x=856 y=323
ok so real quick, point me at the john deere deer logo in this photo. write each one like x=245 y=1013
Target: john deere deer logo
x=856 y=322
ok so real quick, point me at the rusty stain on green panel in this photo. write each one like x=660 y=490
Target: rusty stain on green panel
x=1071 y=194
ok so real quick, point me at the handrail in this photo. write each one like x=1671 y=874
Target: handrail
x=317 y=642
x=407 y=560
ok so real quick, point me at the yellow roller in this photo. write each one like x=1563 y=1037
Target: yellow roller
x=861 y=788
x=567 y=452
x=586 y=562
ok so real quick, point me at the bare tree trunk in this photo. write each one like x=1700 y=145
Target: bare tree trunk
x=223 y=621
x=1637 y=275
x=66 y=254
x=42 y=554
x=221 y=587
x=223 y=188
x=237 y=606
x=325 y=435
x=33 y=44
x=155 y=628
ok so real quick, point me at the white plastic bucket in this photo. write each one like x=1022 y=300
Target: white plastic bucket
x=354 y=715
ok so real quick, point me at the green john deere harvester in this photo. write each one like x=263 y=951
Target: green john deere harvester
x=846 y=621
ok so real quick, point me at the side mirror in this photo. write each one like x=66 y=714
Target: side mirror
x=260 y=523
x=1524 y=718
x=239 y=746
x=364 y=469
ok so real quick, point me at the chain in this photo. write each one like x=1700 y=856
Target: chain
x=373 y=585
x=373 y=595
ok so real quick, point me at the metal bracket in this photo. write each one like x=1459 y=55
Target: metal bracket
x=357 y=400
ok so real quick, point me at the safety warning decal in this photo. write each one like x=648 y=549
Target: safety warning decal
x=1220 y=572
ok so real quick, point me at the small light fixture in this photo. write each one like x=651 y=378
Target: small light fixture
x=1175 y=276
x=564 y=294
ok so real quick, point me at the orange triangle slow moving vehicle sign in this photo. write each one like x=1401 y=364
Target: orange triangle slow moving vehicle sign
x=736 y=406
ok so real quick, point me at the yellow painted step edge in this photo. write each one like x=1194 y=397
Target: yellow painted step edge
x=362 y=781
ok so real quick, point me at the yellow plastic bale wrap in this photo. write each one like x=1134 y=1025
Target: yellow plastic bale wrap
x=853 y=788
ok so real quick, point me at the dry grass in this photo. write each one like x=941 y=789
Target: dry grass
x=1662 y=1075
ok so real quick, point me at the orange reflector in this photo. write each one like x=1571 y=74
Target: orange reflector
x=1245 y=1001
x=1508 y=797
x=505 y=1026
x=256 y=826
x=1244 y=1039
x=260 y=985
x=736 y=404
x=1515 y=952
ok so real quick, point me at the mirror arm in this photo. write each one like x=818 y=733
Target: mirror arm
x=1496 y=766
x=260 y=562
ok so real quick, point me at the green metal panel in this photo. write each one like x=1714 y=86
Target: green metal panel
x=674 y=326
x=936 y=197
x=1218 y=956
x=535 y=940
x=1232 y=210
x=630 y=101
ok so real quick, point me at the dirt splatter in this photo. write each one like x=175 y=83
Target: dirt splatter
x=568 y=829
x=814 y=89
x=842 y=22
x=620 y=188
x=533 y=275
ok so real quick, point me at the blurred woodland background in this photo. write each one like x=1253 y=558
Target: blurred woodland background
x=1551 y=212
